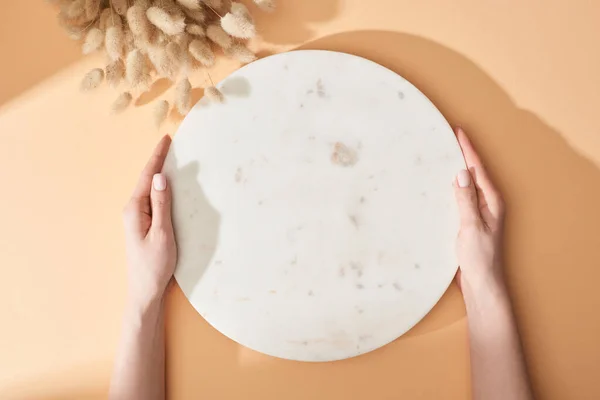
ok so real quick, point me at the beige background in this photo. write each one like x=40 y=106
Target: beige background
x=521 y=76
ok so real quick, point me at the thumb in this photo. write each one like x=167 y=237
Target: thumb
x=466 y=197
x=160 y=200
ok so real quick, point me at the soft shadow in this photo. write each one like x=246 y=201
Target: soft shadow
x=158 y=88
x=33 y=45
x=237 y=87
x=196 y=94
x=197 y=237
x=291 y=22
x=552 y=252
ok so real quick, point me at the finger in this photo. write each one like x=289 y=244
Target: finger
x=481 y=177
x=457 y=278
x=160 y=198
x=154 y=166
x=466 y=198
x=471 y=157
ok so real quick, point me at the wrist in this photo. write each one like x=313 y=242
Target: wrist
x=486 y=291
x=140 y=307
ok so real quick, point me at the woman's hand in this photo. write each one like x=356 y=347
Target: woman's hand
x=149 y=238
x=479 y=243
x=498 y=368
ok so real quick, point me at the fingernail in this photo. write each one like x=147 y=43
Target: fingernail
x=459 y=129
x=159 y=182
x=463 y=178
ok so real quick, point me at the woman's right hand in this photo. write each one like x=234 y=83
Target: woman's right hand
x=481 y=208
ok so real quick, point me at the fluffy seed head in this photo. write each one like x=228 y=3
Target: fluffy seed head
x=115 y=71
x=144 y=4
x=238 y=22
x=190 y=4
x=183 y=39
x=109 y=18
x=266 y=5
x=168 y=23
x=92 y=79
x=194 y=29
x=75 y=9
x=163 y=64
x=120 y=6
x=74 y=32
x=240 y=53
x=170 y=7
x=138 y=22
x=241 y=10
x=92 y=8
x=196 y=15
x=135 y=71
x=201 y=51
x=114 y=42
x=183 y=96
x=121 y=103
x=160 y=112
x=219 y=36
x=93 y=40
x=214 y=94
x=175 y=54
x=214 y=3
x=129 y=40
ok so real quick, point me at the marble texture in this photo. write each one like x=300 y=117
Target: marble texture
x=313 y=210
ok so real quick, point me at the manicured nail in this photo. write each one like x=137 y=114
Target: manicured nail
x=463 y=178
x=159 y=182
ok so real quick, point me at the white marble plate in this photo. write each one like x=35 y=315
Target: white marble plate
x=313 y=210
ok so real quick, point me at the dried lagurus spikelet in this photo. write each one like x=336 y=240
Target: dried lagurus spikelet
x=114 y=42
x=219 y=36
x=92 y=79
x=196 y=15
x=170 y=7
x=183 y=96
x=144 y=4
x=93 y=41
x=176 y=55
x=190 y=4
x=238 y=22
x=121 y=103
x=183 y=39
x=240 y=53
x=214 y=3
x=202 y=52
x=109 y=18
x=162 y=62
x=214 y=94
x=120 y=6
x=138 y=22
x=92 y=8
x=161 y=110
x=168 y=23
x=194 y=29
x=135 y=70
x=115 y=71
x=128 y=40
x=266 y=5
x=74 y=32
x=75 y=9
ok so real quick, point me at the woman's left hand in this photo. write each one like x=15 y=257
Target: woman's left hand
x=149 y=237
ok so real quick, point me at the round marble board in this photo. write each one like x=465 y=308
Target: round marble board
x=313 y=210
